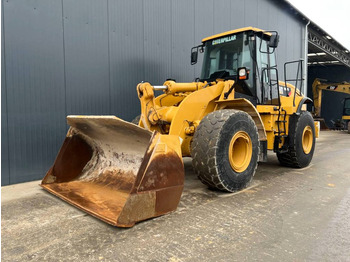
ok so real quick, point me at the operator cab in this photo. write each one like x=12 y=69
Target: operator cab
x=346 y=110
x=248 y=51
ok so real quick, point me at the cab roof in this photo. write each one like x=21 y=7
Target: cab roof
x=249 y=28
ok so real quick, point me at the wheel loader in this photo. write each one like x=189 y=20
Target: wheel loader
x=226 y=120
x=321 y=84
x=318 y=86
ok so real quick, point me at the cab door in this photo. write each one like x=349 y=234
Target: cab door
x=266 y=74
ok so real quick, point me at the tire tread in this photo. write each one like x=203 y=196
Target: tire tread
x=204 y=145
x=290 y=158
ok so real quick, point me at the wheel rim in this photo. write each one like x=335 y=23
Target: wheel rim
x=240 y=151
x=307 y=140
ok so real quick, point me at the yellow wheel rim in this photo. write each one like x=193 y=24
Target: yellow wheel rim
x=307 y=140
x=240 y=151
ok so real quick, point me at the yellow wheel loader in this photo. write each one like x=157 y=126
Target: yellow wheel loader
x=317 y=89
x=321 y=84
x=226 y=121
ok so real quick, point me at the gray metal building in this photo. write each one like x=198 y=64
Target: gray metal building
x=62 y=57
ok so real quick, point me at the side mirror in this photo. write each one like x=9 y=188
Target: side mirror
x=194 y=55
x=274 y=39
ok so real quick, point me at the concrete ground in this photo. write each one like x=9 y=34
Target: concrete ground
x=285 y=215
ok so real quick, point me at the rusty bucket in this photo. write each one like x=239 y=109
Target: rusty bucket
x=117 y=171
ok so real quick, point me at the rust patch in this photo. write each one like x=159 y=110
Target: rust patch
x=146 y=159
x=100 y=201
x=70 y=161
x=115 y=178
x=168 y=199
x=138 y=207
x=165 y=170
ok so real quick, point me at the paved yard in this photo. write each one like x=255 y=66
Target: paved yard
x=285 y=215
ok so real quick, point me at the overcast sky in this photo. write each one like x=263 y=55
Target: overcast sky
x=333 y=16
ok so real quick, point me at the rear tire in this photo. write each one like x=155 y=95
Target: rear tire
x=216 y=143
x=301 y=141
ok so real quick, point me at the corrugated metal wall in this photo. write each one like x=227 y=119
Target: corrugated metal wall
x=64 y=57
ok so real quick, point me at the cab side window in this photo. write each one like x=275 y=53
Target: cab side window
x=266 y=74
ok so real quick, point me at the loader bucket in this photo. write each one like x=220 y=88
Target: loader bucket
x=117 y=171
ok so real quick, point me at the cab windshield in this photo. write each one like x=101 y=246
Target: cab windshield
x=223 y=56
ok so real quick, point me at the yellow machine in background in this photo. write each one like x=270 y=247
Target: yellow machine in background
x=226 y=121
x=317 y=87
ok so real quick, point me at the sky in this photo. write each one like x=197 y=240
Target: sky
x=331 y=15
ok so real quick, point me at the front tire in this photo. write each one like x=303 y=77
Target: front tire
x=136 y=120
x=301 y=139
x=225 y=150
